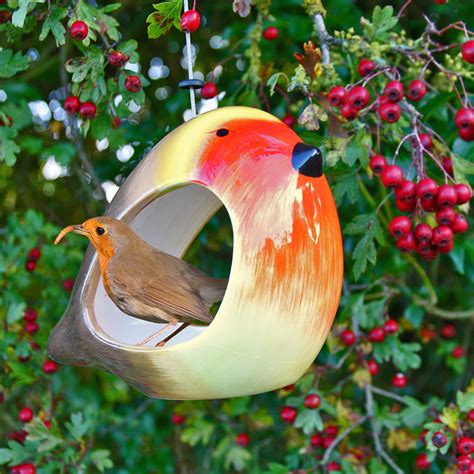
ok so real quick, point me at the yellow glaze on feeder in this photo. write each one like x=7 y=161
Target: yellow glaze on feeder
x=286 y=273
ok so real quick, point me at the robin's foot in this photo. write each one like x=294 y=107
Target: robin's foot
x=155 y=334
x=173 y=334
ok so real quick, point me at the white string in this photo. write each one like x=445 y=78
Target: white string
x=189 y=57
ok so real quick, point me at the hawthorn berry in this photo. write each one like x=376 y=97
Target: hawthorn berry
x=399 y=226
x=72 y=104
x=209 y=90
x=376 y=334
x=426 y=189
x=439 y=439
x=391 y=326
x=416 y=90
x=25 y=415
x=365 y=67
x=35 y=253
x=445 y=248
x=373 y=367
x=465 y=445
x=333 y=466
x=399 y=380
x=242 y=439
x=448 y=331
x=31 y=327
x=190 y=21
x=406 y=192
x=460 y=224
x=30 y=314
x=428 y=205
x=394 y=91
x=79 y=30
x=457 y=352
x=467 y=51
x=445 y=216
x=87 y=110
x=50 y=367
x=447 y=164
x=288 y=414
x=358 y=97
x=30 y=265
x=177 y=419
x=25 y=468
x=424 y=248
x=463 y=193
x=289 y=120
x=19 y=436
x=377 y=163
x=47 y=423
x=390 y=112
x=327 y=441
x=133 y=83
x=337 y=95
x=464 y=118
x=271 y=33
x=426 y=140
x=68 y=284
x=289 y=388
x=405 y=206
x=312 y=401
x=446 y=196
x=331 y=430
x=316 y=440
x=117 y=58
x=347 y=337
x=392 y=176
x=470 y=415
x=422 y=462
x=348 y=112
x=442 y=235
x=441 y=2
x=116 y=122
x=467 y=134
x=464 y=463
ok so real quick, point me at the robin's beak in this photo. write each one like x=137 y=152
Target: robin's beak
x=79 y=229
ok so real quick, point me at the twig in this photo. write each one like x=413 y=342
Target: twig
x=391 y=395
x=324 y=37
x=442 y=313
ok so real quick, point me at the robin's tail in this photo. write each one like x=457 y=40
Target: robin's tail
x=213 y=290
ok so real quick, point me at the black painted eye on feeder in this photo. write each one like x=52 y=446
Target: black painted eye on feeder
x=308 y=160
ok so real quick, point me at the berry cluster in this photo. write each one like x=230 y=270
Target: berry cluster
x=31 y=260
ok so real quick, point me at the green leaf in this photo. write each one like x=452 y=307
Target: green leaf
x=273 y=80
x=457 y=256
x=18 y=17
x=8 y=147
x=376 y=467
x=167 y=14
x=237 y=457
x=10 y=63
x=414 y=414
x=15 y=312
x=415 y=315
x=200 y=432
x=383 y=20
x=5 y=455
x=310 y=421
x=345 y=185
x=404 y=355
x=53 y=24
x=45 y=439
x=275 y=468
x=101 y=459
x=358 y=149
x=78 y=426
x=465 y=401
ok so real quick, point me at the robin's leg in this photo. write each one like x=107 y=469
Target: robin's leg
x=173 y=334
x=157 y=333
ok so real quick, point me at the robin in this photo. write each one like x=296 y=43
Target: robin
x=146 y=283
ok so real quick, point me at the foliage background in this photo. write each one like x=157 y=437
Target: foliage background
x=99 y=422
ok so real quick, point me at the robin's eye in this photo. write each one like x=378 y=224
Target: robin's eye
x=222 y=132
x=99 y=230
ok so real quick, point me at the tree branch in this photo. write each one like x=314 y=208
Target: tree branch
x=324 y=37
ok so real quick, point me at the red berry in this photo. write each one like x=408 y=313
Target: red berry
x=117 y=58
x=133 y=83
x=347 y=337
x=390 y=112
x=242 y=439
x=377 y=163
x=425 y=140
x=464 y=118
x=19 y=436
x=31 y=327
x=327 y=441
x=25 y=468
x=460 y=224
x=30 y=314
x=190 y=21
x=448 y=165
x=465 y=445
x=358 y=97
x=423 y=233
x=337 y=95
x=289 y=388
x=406 y=192
x=448 y=331
x=288 y=120
x=470 y=415
x=334 y=466
x=288 y=414
x=271 y=33
x=391 y=326
x=457 y=352
x=35 y=253
x=405 y=206
x=209 y=90
x=467 y=51
x=376 y=334
x=50 y=367
x=316 y=440
x=446 y=216
x=331 y=430
x=79 y=30
x=392 y=176
x=87 y=110
x=416 y=90
x=72 y=104
x=446 y=196
x=30 y=265
x=439 y=439
x=441 y=2
x=365 y=67
x=116 y=122
x=422 y=462
x=68 y=284
x=348 y=112
x=467 y=134
x=399 y=380
x=394 y=91
x=445 y=248
x=372 y=366
x=442 y=235
x=465 y=464
x=25 y=415
x=428 y=205
x=47 y=423
x=312 y=401
x=177 y=419
x=463 y=193
x=399 y=226
x=426 y=189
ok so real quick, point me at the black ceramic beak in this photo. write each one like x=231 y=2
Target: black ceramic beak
x=307 y=160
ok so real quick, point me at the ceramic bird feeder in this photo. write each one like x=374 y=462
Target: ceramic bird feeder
x=286 y=273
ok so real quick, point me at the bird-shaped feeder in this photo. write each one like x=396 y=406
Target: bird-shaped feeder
x=287 y=264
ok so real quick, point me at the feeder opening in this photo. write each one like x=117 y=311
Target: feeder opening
x=187 y=222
